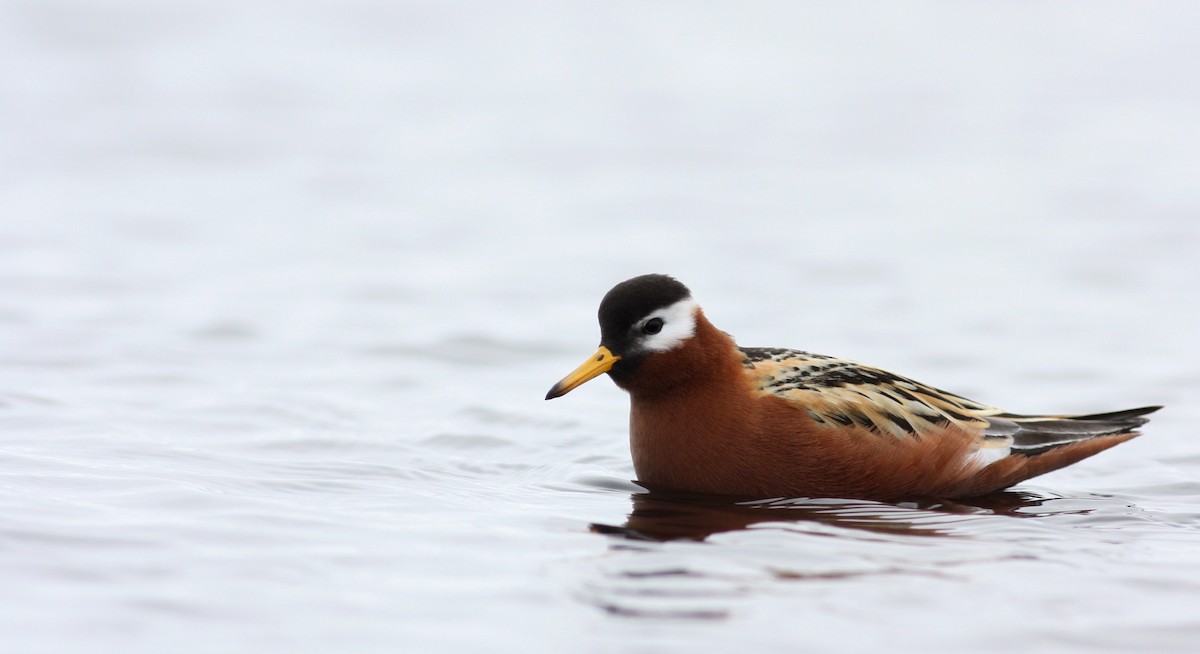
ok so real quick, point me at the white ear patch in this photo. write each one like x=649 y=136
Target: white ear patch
x=679 y=324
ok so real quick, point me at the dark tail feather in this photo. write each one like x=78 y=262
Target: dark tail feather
x=1037 y=435
x=1121 y=415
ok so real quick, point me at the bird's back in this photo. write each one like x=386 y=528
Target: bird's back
x=929 y=441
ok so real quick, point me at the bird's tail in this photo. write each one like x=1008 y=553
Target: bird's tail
x=1040 y=434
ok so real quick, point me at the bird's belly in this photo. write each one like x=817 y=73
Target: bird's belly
x=789 y=455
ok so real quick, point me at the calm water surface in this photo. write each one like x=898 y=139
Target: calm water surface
x=281 y=291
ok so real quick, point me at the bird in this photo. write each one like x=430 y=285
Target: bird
x=709 y=416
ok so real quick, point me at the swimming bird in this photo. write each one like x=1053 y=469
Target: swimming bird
x=709 y=416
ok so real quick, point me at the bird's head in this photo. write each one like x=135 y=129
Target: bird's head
x=639 y=318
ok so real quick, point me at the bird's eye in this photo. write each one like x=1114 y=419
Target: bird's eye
x=653 y=326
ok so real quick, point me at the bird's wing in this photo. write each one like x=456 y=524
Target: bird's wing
x=840 y=393
x=836 y=392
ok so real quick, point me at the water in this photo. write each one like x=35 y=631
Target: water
x=282 y=288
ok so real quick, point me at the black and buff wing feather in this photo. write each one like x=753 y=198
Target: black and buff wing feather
x=840 y=393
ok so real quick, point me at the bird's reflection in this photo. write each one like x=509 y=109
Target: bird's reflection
x=664 y=516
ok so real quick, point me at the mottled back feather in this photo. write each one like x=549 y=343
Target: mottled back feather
x=838 y=393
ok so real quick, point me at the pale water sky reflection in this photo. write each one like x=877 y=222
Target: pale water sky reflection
x=282 y=288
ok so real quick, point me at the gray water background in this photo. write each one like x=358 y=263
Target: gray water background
x=282 y=287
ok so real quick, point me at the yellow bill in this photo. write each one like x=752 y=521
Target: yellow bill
x=600 y=362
